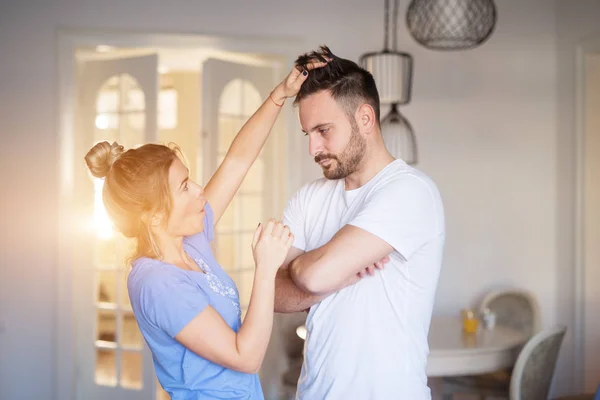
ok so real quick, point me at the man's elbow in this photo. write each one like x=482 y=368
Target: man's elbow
x=310 y=282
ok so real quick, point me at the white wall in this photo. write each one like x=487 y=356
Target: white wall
x=577 y=21
x=485 y=122
x=591 y=258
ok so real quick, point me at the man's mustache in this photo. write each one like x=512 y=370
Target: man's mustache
x=322 y=157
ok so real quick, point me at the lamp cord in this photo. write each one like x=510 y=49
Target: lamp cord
x=386 y=25
x=395 y=25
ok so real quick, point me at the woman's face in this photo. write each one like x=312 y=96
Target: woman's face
x=188 y=201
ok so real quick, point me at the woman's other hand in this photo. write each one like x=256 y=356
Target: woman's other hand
x=271 y=244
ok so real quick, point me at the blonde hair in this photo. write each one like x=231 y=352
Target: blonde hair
x=136 y=188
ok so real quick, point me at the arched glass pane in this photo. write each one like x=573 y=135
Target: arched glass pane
x=231 y=98
x=133 y=96
x=120 y=116
x=239 y=100
x=108 y=100
x=251 y=98
x=239 y=97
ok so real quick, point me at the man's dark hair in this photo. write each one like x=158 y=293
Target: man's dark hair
x=349 y=84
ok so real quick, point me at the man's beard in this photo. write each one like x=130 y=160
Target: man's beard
x=348 y=161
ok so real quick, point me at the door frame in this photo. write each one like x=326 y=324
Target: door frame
x=585 y=48
x=70 y=166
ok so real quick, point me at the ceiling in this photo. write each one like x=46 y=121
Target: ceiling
x=176 y=59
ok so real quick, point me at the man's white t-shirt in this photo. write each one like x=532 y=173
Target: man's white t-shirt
x=369 y=341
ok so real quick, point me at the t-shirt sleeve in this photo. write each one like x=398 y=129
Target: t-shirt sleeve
x=293 y=217
x=402 y=212
x=171 y=303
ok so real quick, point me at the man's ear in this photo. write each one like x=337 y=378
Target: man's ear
x=365 y=118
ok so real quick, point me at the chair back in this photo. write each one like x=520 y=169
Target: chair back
x=533 y=372
x=515 y=308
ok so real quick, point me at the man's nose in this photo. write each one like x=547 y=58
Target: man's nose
x=315 y=146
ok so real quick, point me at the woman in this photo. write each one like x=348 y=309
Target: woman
x=186 y=306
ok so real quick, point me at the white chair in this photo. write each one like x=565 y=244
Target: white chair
x=534 y=369
x=533 y=372
x=515 y=308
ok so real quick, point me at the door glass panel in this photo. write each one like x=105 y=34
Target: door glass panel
x=121 y=117
x=252 y=212
x=106 y=367
x=105 y=252
x=226 y=250
x=131 y=370
x=131 y=337
x=254 y=180
x=238 y=101
x=107 y=286
x=106 y=330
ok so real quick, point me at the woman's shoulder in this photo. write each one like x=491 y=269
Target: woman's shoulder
x=152 y=276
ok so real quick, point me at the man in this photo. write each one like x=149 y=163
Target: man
x=366 y=338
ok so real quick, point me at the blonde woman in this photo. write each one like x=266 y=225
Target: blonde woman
x=186 y=306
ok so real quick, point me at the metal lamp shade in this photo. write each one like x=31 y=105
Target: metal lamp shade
x=451 y=24
x=392 y=72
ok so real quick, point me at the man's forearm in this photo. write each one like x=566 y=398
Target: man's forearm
x=288 y=297
x=309 y=274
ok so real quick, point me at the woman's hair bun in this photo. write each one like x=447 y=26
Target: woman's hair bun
x=101 y=157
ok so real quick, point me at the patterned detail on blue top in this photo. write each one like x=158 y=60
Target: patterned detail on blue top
x=216 y=285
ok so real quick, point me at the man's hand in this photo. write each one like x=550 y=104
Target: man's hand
x=370 y=270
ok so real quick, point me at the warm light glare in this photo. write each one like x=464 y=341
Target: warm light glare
x=301 y=332
x=104 y=48
x=102 y=224
x=163 y=69
x=102 y=121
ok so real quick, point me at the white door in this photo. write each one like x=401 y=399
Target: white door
x=117 y=100
x=591 y=224
x=231 y=93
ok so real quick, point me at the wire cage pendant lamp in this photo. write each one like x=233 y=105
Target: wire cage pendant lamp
x=451 y=24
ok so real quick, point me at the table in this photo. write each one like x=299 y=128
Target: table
x=453 y=353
